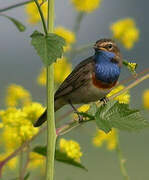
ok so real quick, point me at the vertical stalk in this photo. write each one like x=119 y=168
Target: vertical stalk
x=51 y=132
x=121 y=160
x=20 y=165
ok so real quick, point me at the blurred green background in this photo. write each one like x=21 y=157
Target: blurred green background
x=19 y=64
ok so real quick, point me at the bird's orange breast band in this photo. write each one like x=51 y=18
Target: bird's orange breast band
x=99 y=84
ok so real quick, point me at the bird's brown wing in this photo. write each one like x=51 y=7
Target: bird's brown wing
x=76 y=79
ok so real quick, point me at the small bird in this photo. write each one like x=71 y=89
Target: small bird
x=91 y=80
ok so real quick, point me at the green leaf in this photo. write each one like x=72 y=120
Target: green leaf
x=42 y=150
x=17 y=23
x=59 y=156
x=120 y=116
x=49 y=47
x=27 y=176
x=93 y=109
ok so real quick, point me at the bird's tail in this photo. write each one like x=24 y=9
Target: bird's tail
x=58 y=104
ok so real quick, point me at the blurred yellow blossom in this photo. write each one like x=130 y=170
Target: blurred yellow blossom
x=110 y=139
x=12 y=164
x=123 y=98
x=17 y=95
x=83 y=108
x=36 y=160
x=126 y=32
x=146 y=99
x=33 y=111
x=132 y=66
x=32 y=11
x=86 y=5
x=1 y=125
x=67 y=35
x=62 y=70
x=18 y=125
x=71 y=148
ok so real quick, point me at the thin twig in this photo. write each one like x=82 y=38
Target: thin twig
x=15 y=5
x=20 y=165
x=42 y=17
x=26 y=163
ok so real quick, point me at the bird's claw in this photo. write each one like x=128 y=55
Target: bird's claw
x=80 y=117
x=104 y=100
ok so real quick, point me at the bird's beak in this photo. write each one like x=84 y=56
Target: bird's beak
x=102 y=49
x=99 y=48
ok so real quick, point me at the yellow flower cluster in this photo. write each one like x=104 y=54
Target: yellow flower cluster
x=69 y=36
x=18 y=124
x=132 y=67
x=17 y=95
x=83 y=108
x=110 y=139
x=36 y=160
x=62 y=69
x=32 y=12
x=11 y=164
x=126 y=32
x=123 y=98
x=86 y=5
x=71 y=148
x=146 y=99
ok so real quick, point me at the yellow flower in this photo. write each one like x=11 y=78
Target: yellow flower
x=17 y=95
x=12 y=164
x=18 y=126
x=110 y=139
x=146 y=99
x=33 y=111
x=123 y=98
x=71 y=148
x=83 y=108
x=36 y=160
x=86 y=5
x=32 y=12
x=126 y=32
x=61 y=71
x=41 y=79
x=132 y=66
x=67 y=35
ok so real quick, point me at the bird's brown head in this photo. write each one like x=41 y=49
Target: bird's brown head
x=110 y=46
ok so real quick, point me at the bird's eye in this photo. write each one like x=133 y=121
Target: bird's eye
x=109 y=46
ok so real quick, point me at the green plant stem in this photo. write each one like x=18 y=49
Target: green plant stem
x=76 y=28
x=15 y=5
x=78 y=20
x=51 y=132
x=42 y=17
x=121 y=160
x=23 y=172
x=20 y=165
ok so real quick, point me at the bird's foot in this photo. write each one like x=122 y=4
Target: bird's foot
x=104 y=100
x=80 y=117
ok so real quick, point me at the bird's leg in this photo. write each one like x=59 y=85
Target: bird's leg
x=76 y=111
x=104 y=100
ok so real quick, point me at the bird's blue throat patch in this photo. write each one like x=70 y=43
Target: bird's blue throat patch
x=106 y=70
